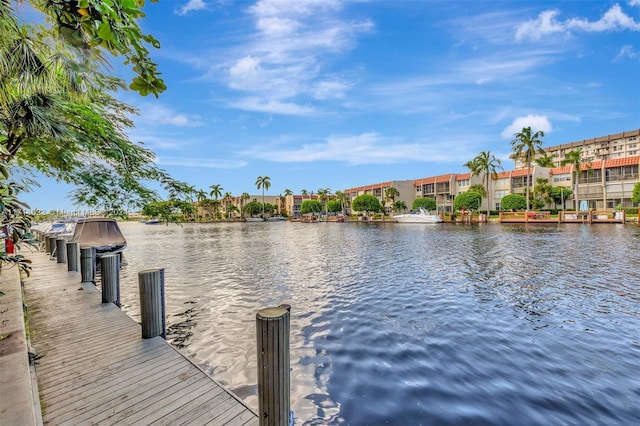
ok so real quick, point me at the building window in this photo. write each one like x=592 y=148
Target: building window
x=633 y=152
x=632 y=145
x=562 y=178
x=632 y=138
x=499 y=194
x=463 y=182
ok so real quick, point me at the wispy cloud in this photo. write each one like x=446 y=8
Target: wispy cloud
x=536 y=122
x=209 y=163
x=547 y=23
x=159 y=114
x=192 y=5
x=626 y=51
x=365 y=148
x=271 y=106
x=291 y=48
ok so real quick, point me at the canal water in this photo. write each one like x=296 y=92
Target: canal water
x=409 y=324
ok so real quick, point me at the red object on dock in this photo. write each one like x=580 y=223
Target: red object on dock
x=9 y=245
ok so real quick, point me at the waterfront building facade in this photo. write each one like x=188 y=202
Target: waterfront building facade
x=608 y=173
x=404 y=189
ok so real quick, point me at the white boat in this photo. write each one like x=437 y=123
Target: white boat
x=254 y=219
x=417 y=216
x=276 y=218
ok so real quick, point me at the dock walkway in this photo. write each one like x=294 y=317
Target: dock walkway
x=94 y=367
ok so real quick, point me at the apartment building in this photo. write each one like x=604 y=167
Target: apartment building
x=609 y=171
x=619 y=145
x=403 y=187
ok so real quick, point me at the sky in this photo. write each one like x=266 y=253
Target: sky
x=339 y=94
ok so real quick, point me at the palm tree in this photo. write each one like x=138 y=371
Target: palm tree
x=304 y=192
x=524 y=146
x=545 y=160
x=323 y=194
x=399 y=206
x=243 y=198
x=263 y=182
x=216 y=191
x=488 y=165
x=390 y=195
x=574 y=158
x=342 y=197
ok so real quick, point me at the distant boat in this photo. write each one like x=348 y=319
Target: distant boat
x=152 y=222
x=254 y=219
x=417 y=216
x=276 y=218
x=102 y=233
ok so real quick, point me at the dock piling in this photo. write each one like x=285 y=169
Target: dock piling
x=88 y=265
x=72 y=257
x=274 y=380
x=152 y=306
x=61 y=250
x=110 y=278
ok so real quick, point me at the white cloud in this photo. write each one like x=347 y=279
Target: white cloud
x=160 y=114
x=626 y=51
x=544 y=25
x=271 y=106
x=536 y=122
x=613 y=19
x=292 y=45
x=191 y=6
x=634 y=2
x=365 y=148
x=547 y=23
x=209 y=163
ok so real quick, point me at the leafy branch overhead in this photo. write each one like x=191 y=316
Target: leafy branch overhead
x=57 y=112
x=91 y=26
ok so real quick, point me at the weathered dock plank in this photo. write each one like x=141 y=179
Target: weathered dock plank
x=95 y=368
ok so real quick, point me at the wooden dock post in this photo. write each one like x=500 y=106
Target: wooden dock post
x=88 y=265
x=61 y=250
x=110 y=278
x=274 y=380
x=72 y=257
x=51 y=245
x=152 y=307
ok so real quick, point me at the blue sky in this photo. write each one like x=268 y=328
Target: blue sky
x=337 y=94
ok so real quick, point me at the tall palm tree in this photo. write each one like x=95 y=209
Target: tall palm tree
x=342 y=197
x=216 y=191
x=524 y=146
x=574 y=158
x=487 y=165
x=243 y=198
x=545 y=160
x=264 y=183
x=323 y=194
x=287 y=194
x=304 y=192
x=390 y=195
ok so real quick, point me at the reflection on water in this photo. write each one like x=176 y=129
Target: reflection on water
x=411 y=324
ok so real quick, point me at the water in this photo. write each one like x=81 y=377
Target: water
x=411 y=324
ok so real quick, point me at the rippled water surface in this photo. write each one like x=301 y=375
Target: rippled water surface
x=411 y=324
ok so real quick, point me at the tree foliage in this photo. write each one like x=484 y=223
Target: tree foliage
x=57 y=115
x=366 y=203
x=311 y=206
x=541 y=194
x=559 y=194
x=467 y=200
x=253 y=208
x=92 y=28
x=334 y=206
x=426 y=203
x=635 y=195
x=513 y=202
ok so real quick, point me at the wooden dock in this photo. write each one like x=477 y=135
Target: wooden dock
x=94 y=367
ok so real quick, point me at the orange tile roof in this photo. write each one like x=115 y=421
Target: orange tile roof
x=463 y=176
x=520 y=172
x=561 y=170
x=433 y=179
x=619 y=162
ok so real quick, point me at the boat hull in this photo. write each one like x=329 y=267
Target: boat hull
x=420 y=216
